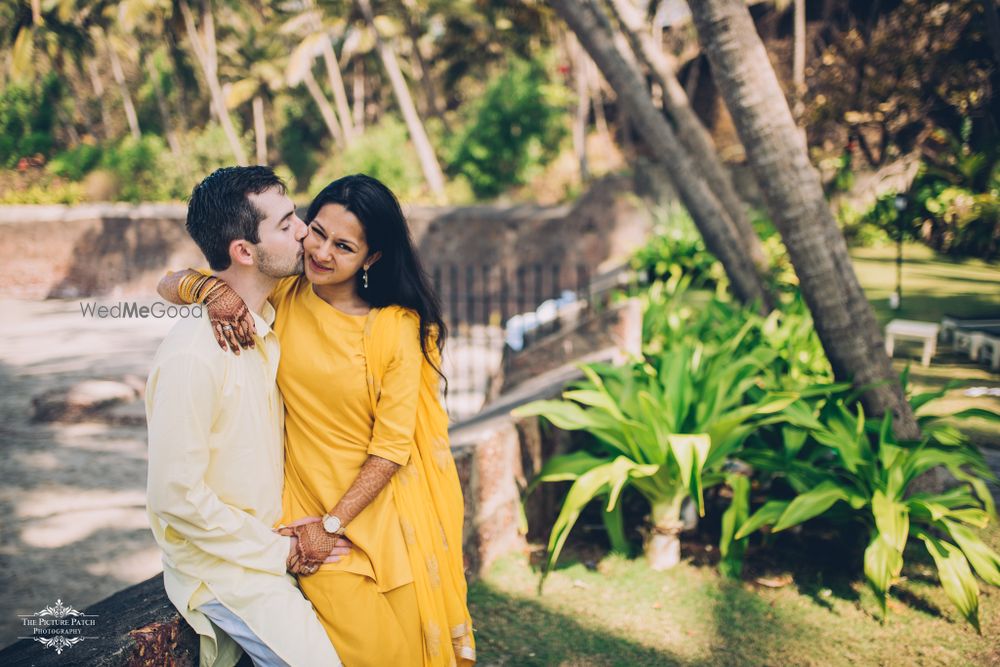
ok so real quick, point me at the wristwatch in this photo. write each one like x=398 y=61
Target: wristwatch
x=331 y=524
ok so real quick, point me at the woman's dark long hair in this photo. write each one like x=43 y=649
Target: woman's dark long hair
x=397 y=278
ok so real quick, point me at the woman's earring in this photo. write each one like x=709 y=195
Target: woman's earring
x=364 y=278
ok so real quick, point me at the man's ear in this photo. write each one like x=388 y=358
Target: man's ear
x=372 y=258
x=241 y=253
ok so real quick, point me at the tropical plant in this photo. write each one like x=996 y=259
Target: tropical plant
x=516 y=126
x=839 y=464
x=664 y=427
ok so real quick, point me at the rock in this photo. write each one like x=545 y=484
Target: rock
x=81 y=401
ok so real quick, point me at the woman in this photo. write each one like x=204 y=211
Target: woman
x=366 y=448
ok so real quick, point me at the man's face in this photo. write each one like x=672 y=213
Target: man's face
x=279 y=253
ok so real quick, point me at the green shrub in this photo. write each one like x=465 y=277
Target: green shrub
x=516 y=127
x=837 y=464
x=383 y=152
x=76 y=162
x=136 y=165
x=27 y=119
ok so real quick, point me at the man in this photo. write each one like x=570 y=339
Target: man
x=215 y=443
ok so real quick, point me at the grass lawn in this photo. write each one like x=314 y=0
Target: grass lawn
x=622 y=613
x=934 y=285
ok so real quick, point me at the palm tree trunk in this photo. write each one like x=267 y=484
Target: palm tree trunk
x=597 y=99
x=260 y=129
x=119 y=75
x=579 y=58
x=98 y=85
x=799 y=51
x=358 y=91
x=325 y=110
x=713 y=221
x=425 y=152
x=794 y=195
x=690 y=130
x=339 y=92
x=204 y=51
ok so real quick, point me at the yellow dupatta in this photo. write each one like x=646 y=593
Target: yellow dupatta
x=428 y=497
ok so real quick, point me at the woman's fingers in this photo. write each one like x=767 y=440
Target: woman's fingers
x=227 y=330
x=219 y=338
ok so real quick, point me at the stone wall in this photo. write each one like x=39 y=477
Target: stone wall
x=123 y=250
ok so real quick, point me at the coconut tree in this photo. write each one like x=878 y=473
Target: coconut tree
x=300 y=71
x=792 y=190
x=203 y=45
x=316 y=33
x=596 y=35
x=414 y=125
x=690 y=130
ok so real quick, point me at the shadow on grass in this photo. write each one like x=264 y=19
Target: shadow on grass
x=518 y=631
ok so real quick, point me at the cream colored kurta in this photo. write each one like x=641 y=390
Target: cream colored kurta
x=214 y=492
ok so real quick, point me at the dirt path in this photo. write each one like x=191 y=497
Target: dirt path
x=72 y=518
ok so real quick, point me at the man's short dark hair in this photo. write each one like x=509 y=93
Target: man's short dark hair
x=220 y=211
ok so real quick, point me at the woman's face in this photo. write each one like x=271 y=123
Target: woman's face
x=335 y=247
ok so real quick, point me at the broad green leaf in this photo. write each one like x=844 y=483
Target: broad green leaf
x=792 y=439
x=730 y=549
x=984 y=560
x=770 y=512
x=594 y=399
x=691 y=450
x=615 y=526
x=956 y=577
x=891 y=519
x=563 y=414
x=566 y=467
x=811 y=504
x=979 y=486
x=883 y=564
x=926 y=510
x=978 y=413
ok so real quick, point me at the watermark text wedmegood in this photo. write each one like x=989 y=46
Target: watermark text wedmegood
x=133 y=310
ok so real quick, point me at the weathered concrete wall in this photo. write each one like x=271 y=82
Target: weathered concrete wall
x=120 y=249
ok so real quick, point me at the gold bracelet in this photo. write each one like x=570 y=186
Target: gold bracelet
x=216 y=286
x=184 y=288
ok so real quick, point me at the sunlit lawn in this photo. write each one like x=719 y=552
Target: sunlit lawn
x=622 y=613
x=934 y=285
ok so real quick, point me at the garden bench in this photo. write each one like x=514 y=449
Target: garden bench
x=991 y=347
x=927 y=332
x=950 y=324
x=972 y=341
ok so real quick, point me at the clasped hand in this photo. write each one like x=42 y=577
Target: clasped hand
x=312 y=546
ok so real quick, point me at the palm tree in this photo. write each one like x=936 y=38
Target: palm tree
x=794 y=195
x=418 y=135
x=690 y=130
x=316 y=33
x=204 y=47
x=111 y=48
x=300 y=70
x=594 y=31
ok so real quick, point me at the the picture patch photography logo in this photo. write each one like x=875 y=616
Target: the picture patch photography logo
x=58 y=626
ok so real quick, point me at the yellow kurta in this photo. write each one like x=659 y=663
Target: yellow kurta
x=214 y=492
x=374 y=609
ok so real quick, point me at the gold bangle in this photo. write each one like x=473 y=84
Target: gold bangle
x=184 y=288
x=210 y=286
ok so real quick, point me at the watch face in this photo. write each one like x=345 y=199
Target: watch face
x=331 y=524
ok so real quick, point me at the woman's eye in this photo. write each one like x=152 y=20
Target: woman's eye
x=343 y=246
